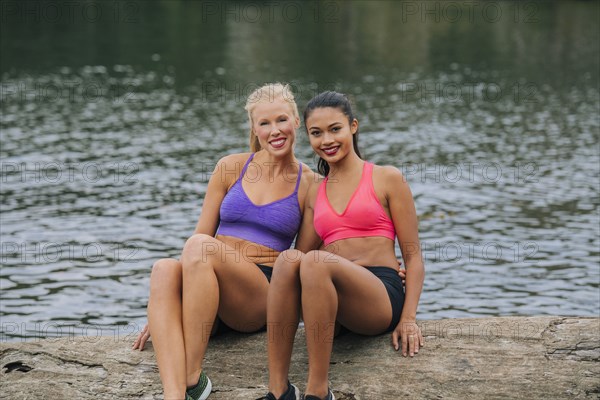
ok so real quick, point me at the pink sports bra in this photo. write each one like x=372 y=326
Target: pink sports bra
x=364 y=215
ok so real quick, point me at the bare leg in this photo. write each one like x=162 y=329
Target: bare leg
x=164 y=319
x=200 y=302
x=217 y=279
x=336 y=288
x=283 y=316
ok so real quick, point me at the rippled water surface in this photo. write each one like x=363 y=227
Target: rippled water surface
x=110 y=130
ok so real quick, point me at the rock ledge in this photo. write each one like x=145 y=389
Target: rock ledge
x=492 y=358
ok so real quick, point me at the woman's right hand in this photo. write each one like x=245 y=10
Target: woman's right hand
x=142 y=338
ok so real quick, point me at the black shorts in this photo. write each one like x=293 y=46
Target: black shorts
x=395 y=289
x=221 y=326
x=268 y=271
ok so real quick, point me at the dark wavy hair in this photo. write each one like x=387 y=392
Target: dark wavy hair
x=333 y=100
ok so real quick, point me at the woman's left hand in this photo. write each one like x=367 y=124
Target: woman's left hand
x=410 y=336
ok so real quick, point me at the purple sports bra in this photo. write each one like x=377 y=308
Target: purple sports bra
x=272 y=225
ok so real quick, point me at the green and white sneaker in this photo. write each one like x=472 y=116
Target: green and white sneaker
x=201 y=390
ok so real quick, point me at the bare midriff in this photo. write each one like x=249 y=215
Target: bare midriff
x=249 y=251
x=368 y=251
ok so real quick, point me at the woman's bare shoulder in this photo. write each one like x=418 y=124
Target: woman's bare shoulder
x=310 y=176
x=229 y=168
x=389 y=179
x=385 y=172
x=231 y=160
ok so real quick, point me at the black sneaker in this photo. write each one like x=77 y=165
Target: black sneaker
x=329 y=396
x=292 y=393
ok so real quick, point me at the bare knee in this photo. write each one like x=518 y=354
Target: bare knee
x=166 y=274
x=314 y=265
x=287 y=266
x=198 y=251
x=291 y=256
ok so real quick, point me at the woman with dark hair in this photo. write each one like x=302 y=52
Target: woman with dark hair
x=356 y=212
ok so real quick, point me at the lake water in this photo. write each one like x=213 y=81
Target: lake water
x=113 y=116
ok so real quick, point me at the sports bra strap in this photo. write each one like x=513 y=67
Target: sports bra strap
x=299 y=176
x=246 y=165
x=368 y=173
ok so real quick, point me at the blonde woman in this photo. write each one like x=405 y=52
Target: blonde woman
x=251 y=213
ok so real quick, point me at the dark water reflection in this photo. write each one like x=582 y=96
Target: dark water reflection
x=110 y=129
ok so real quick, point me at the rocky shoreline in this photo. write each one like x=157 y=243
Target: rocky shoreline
x=479 y=358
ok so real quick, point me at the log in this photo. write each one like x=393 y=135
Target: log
x=547 y=357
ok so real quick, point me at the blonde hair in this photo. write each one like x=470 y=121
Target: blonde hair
x=268 y=92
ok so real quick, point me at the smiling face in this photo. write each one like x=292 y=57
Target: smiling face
x=330 y=133
x=274 y=123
